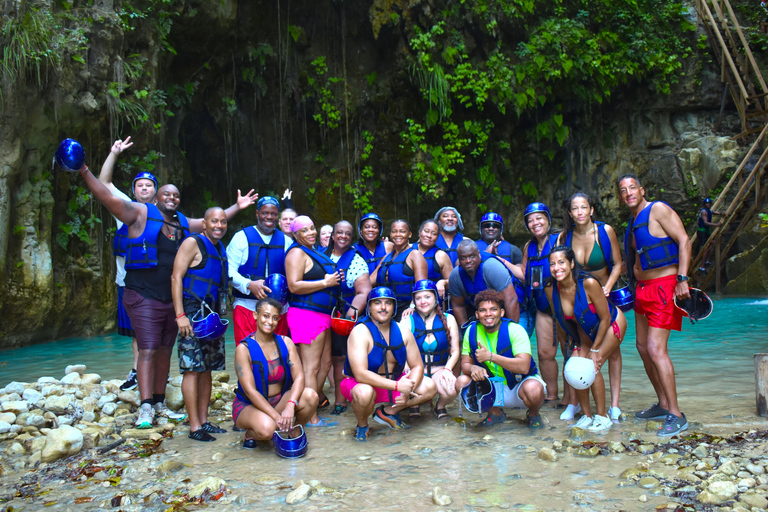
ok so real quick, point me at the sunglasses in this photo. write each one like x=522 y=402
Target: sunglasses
x=492 y=225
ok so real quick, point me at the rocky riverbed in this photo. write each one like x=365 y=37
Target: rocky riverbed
x=69 y=444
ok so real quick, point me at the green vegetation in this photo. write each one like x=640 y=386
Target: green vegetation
x=81 y=223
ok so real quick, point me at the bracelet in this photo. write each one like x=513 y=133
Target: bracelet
x=83 y=170
x=181 y=315
x=396 y=391
x=293 y=402
x=593 y=350
x=491 y=359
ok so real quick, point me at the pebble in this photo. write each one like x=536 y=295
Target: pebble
x=59 y=404
x=74 y=368
x=16 y=406
x=648 y=482
x=755 y=469
x=440 y=498
x=218 y=456
x=577 y=434
x=629 y=473
x=754 y=501
x=299 y=494
x=643 y=498
x=211 y=483
x=71 y=379
x=90 y=378
x=32 y=395
x=8 y=417
x=587 y=452
x=15 y=449
x=616 y=447
x=14 y=387
x=168 y=467
x=109 y=408
x=269 y=480
x=718 y=493
x=130 y=397
x=548 y=454
x=4 y=427
x=653 y=426
x=728 y=468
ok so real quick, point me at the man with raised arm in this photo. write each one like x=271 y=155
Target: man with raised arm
x=658 y=254
x=155 y=233
x=200 y=277
x=377 y=352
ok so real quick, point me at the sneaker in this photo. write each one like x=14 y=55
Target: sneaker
x=493 y=419
x=249 y=444
x=584 y=422
x=600 y=424
x=614 y=413
x=390 y=420
x=673 y=425
x=162 y=410
x=570 y=412
x=146 y=416
x=654 y=412
x=362 y=434
x=131 y=382
x=201 y=435
x=212 y=429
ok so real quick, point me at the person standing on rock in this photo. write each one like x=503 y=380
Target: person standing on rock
x=658 y=254
x=450 y=223
x=496 y=348
x=200 y=277
x=377 y=352
x=155 y=233
x=253 y=254
x=270 y=380
x=144 y=190
x=370 y=244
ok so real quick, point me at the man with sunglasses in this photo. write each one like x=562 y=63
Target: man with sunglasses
x=491 y=230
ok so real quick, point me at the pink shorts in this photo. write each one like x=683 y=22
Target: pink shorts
x=655 y=299
x=382 y=395
x=306 y=325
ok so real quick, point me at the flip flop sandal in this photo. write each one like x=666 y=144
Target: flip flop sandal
x=415 y=412
x=492 y=419
x=440 y=413
x=323 y=423
x=534 y=421
x=325 y=403
x=338 y=409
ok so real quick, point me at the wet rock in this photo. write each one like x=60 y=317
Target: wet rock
x=643 y=498
x=64 y=420
x=106 y=399
x=718 y=493
x=324 y=490
x=140 y=433
x=669 y=458
x=739 y=508
x=688 y=475
x=297 y=495
x=548 y=454
x=21 y=419
x=15 y=449
x=62 y=442
x=35 y=420
x=616 y=447
x=90 y=378
x=173 y=398
x=32 y=395
x=109 y=409
x=89 y=416
x=168 y=467
x=218 y=456
x=747 y=483
x=728 y=468
x=91 y=437
x=754 y=501
x=129 y=397
x=125 y=420
x=648 y=482
x=269 y=480
x=71 y=379
x=59 y=404
x=75 y=368
x=755 y=469
x=653 y=426
x=583 y=451
x=577 y=434
x=646 y=448
x=36 y=444
x=211 y=483
x=220 y=376
x=14 y=387
x=440 y=498
x=16 y=406
x=630 y=473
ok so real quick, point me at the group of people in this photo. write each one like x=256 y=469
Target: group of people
x=430 y=317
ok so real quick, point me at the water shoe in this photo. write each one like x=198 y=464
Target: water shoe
x=673 y=425
x=654 y=412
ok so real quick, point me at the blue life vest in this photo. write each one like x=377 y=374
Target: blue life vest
x=654 y=252
x=589 y=321
x=120 y=242
x=210 y=280
x=434 y=273
x=438 y=351
x=503 y=250
x=604 y=241
x=378 y=354
x=347 y=292
x=259 y=253
x=473 y=287
x=536 y=259
x=141 y=252
x=260 y=368
x=392 y=275
x=452 y=250
x=504 y=349
x=702 y=226
x=323 y=300
x=371 y=258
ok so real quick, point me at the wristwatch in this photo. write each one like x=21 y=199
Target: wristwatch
x=681 y=278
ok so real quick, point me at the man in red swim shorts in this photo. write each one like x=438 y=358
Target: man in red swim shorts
x=658 y=253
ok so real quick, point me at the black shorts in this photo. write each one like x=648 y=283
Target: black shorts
x=338 y=345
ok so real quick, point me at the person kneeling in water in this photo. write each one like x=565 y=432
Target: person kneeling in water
x=270 y=391
x=498 y=349
x=377 y=351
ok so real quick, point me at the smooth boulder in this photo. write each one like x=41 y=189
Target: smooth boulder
x=62 y=442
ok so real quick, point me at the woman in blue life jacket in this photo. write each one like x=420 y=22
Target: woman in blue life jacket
x=270 y=392
x=593 y=326
x=314 y=284
x=439 y=264
x=597 y=250
x=538 y=222
x=400 y=268
x=437 y=336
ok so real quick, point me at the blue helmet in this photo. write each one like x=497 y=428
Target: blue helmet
x=210 y=326
x=707 y=200
x=622 y=298
x=424 y=285
x=491 y=217
x=536 y=208
x=279 y=286
x=478 y=397
x=70 y=156
x=290 y=447
x=143 y=176
x=382 y=292
x=366 y=217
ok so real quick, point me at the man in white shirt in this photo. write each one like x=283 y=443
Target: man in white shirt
x=253 y=254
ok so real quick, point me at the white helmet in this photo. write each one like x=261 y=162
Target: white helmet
x=579 y=372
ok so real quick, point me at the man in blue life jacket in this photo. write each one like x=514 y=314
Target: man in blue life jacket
x=154 y=236
x=704 y=229
x=498 y=349
x=658 y=254
x=144 y=189
x=253 y=254
x=491 y=231
x=200 y=277
x=450 y=223
x=377 y=352
x=475 y=272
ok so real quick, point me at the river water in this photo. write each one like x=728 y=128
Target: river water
x=494 y=468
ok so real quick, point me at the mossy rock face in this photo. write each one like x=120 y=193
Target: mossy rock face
x=754 y=279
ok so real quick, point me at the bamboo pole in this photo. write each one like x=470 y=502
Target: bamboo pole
x=761 y=383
